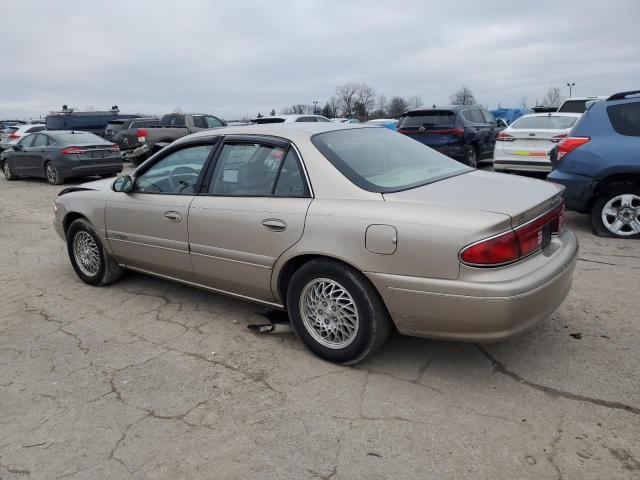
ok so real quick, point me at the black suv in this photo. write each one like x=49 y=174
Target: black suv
x=94 y=122
x=464 y=133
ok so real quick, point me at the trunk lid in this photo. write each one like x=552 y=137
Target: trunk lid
x=520 y=198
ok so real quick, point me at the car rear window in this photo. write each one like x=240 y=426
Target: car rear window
x=80 y=138
x=574 y=106
x=548 y=122
x=379 y=160
x=436 y=118
x=173 y=121
x=625 y=118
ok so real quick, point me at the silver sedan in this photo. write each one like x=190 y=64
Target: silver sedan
x=350 y=229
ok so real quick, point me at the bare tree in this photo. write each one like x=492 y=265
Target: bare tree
x=365 y=100
x=273 y=112
x=346 y=95
x=381 y=107
x=297 y=109
x=553 y=97
x=463 y=96
x=397 y=106
x=334 y=105
x=414 y=101
x=327 y=111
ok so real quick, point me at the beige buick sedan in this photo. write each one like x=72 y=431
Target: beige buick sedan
x=351 y=229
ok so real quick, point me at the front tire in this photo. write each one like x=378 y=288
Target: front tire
x=52 y=174
x=336 y=312
x=88 y=257
x=616 y=212
x=8 y=171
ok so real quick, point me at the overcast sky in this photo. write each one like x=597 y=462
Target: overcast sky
x=235 y=58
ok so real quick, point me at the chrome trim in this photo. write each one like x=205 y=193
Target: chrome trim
x=186 y=252
x=231 y=260
x=204 y=287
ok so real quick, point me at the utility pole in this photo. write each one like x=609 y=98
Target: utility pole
x=571 y=85
x=315 y=107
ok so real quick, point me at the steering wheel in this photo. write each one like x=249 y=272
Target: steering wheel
x=177 y=185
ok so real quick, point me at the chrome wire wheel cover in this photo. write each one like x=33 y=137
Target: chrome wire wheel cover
x=51 y=173
x=621 y=215
x=329 y=313
x=86 y=253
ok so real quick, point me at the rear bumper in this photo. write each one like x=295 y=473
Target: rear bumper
x=505 y=164
x=82 y=170
x=579 y=189
x=487 y=305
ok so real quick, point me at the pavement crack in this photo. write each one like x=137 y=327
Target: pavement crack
x=554 y=392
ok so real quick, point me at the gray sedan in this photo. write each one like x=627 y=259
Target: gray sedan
x=352 y=230
x=59 y=154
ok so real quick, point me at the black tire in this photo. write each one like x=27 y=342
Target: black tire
x=373 y=322
x=611 y=192
x=471 y=156
x=107 y=272
x=9 y=174
x=52 y=174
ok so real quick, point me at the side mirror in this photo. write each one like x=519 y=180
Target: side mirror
x=17 y=148
x=123 y=184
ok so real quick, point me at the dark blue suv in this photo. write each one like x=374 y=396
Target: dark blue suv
x=464 y=133
x=599 y=163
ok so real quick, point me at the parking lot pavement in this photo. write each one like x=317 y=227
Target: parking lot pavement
x=148 y=379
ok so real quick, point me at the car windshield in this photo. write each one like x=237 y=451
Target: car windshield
x=379 y=160
x=80 y=138
x=428 y=119
x=269 y=120
x=547 y=122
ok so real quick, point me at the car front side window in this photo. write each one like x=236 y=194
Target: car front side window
x=27 y=141
x=176 y=173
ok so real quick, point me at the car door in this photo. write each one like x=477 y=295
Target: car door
x=474 y=115
x=147 y=227
x=37 y=152
x=22 y=158
x=251 y=209
x=492 y=130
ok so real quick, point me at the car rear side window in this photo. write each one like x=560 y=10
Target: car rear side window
x=37 y=128
x=625 y=118
x=473 y=115
x=573 y=106
x=199 y=121
x=172 y=121
x=40 y=141
x=428 y=119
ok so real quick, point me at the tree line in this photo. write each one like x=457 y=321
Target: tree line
x=362 y=102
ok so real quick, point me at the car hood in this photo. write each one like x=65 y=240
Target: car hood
x=521 y=198
x=99 y=185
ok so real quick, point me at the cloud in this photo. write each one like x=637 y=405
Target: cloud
x=235 y=58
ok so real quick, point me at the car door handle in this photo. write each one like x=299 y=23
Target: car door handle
x=172 y=216
x=274 y=225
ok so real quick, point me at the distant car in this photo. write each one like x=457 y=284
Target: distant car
x=59 y=155
x=599 y=164
x=524 y=146
x=344 y=120
x=351 y=229
x=464 y=133
x=577 y=104
x=509 y=115
x=123 y=132
x=94 y=122
x=11 y=135
x=390 y=123
x=290 y=118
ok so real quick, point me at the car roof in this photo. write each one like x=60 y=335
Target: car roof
x=290 y=131
x=551 y=114
x=288 y=116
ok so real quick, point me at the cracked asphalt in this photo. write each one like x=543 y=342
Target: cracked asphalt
x=149 y=379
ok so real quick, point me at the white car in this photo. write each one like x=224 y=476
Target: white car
x=578 y=104
x=12 y=135
x=524 y=145
x=290 y=118
x=345 y=120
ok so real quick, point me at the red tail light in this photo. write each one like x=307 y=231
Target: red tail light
x=114 y=148
x=569 y=144
x=504 y=137
x=557 y=138
x=514 y=244
x=141 y=132
x=13 y=135
x=72 y=150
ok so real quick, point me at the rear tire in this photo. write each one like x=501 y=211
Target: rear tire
x=336 y=312
x=52 y=175
x=8 y=171
x=616 y=212
x=88 y=257
x=471 y=156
